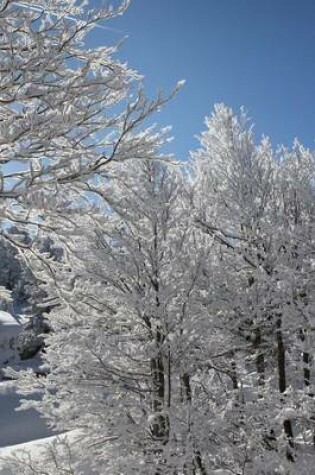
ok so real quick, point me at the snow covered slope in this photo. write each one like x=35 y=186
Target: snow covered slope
x=52 y=454
x=9 y=331
x=16 y=426
x=21 y=426
x=35 y=449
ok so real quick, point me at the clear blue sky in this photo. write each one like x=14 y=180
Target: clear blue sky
x=255 y=53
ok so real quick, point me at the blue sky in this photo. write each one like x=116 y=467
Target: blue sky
x=254 y=53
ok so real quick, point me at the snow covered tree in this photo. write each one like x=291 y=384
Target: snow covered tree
x=182 y=312
x=182 y=308
x=252 y=203
x=128 y=336
x=66 y=111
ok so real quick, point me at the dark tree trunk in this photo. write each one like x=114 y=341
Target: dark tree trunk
x=199 y=464
x=306 y=357
x=234 y=375
x=185 y=385
x=306 y=368
x=287 y=424
x=160 y=425
x=260 y=358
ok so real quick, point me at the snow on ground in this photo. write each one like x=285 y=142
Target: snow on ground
x=9 y=330
x=41 y=453
x=35 y=448
x=21 y=426
x=7 y=320
x=38 y=453
x=23 y=433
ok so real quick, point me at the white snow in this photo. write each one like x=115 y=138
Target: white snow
x=33 y=447
x=9 y=330
x=18 y=426
x=7 y=320
x=38 y=452
x=21 y=426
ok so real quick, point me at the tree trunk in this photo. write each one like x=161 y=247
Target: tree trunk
x=287 y=424
x=185 y=386
x=260 y=359
x=160 y=425
x=306 y=368
x=186 y=395
x=234 y=375
x=306 y=357
x=199 y=464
